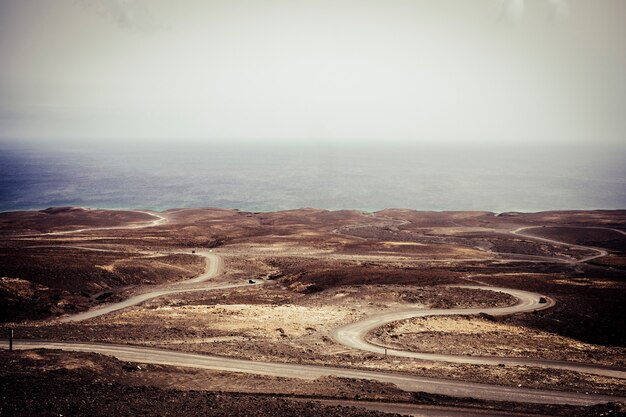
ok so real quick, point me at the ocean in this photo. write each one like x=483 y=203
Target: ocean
x=281 y=176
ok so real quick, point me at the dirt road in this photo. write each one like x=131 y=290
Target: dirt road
x=158 y=219
x=290 y=370
x=353 y=335
x=599 y=252
x=213 y=268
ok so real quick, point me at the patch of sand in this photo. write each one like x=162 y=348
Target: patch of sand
x=475 y=336
x=266 y=321
x=110 y=267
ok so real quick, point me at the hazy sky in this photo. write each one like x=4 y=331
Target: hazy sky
x=415 y=70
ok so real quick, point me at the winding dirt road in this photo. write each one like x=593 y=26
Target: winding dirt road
x=157 y=221
x=352 y=335
x=213 y=269
x=599 y=252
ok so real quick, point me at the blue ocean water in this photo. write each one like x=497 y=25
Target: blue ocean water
x=267 y=177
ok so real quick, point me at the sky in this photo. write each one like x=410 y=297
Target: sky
x=453 y=71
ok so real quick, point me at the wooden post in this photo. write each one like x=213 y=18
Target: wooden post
x=385 y=352
x=10 y=340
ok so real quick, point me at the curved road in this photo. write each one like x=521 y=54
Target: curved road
x=353 y=335
x=213 y=269
x=599 y=252
x=157 y=221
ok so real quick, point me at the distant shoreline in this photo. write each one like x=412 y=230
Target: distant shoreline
x=134 y=209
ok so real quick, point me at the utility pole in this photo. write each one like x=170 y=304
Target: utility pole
x=10 y=340
x=385 y=352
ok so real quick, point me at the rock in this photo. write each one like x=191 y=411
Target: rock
x=104 y=296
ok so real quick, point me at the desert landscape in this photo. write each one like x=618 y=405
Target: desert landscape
x=235 y=208
x=307 y=312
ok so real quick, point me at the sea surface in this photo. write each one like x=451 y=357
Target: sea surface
x=279 y=176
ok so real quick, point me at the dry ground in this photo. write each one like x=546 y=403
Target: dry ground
x=272 y=323
x=54 y=383
x=322 y=269
x=46 y=281
x=480 y=336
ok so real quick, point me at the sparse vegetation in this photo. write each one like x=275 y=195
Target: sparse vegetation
x=310 y=271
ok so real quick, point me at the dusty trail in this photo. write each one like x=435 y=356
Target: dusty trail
x=157 y=221
x=351 y=335
x=75 y=247
x=599 y=252
x=213 y=269
x=354 y=335
x=297 y=371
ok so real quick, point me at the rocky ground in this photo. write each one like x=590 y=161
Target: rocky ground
x=55 y=383
x=48 y=281
x=489 y=336
x=319 y=270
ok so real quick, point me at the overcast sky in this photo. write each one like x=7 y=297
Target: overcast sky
x=349 y=70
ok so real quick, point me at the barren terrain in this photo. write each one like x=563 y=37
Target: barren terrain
x=288 y=280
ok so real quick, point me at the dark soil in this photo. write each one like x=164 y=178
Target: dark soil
x=603 y=238
x=590 y=312
x=330 y=274
x=55 y=281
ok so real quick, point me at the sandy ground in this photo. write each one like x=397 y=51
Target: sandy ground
x=487 y=337
x=284 y=331
x=320 y=270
